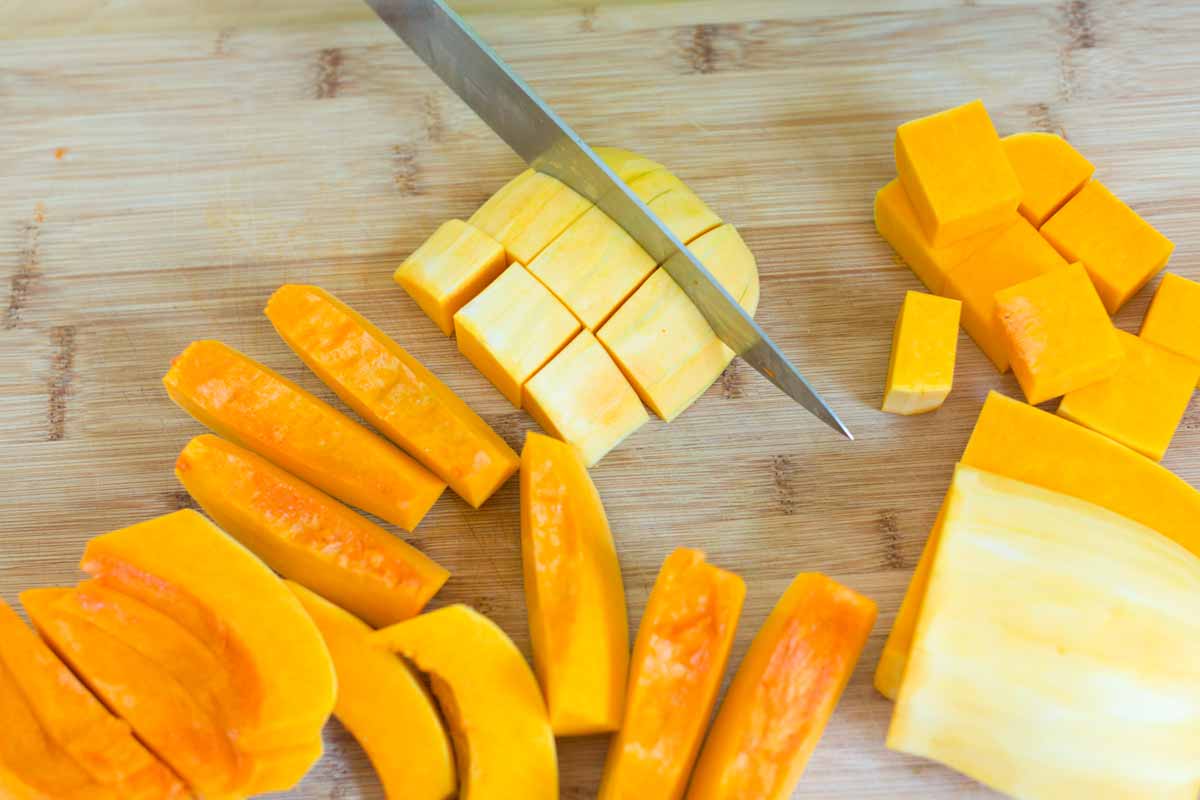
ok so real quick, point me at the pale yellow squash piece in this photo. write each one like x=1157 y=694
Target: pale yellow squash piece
x=1173 y=321
x=924 y=345
x=527 y=213
x=627 y=164
x=1049 y=170
x=1057 y=655
x=684 y=214
x=512 y=328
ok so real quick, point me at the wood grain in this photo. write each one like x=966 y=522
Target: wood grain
x=168 y=163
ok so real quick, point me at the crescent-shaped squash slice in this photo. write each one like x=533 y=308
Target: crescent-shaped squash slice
x=490 y=699
x=384 y=706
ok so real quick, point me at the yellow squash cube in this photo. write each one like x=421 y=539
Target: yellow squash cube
x=684 y=214
x=450 y=268
x=1120 y=250
x=897 y=223
x=627 y=164
x=1016 y=255
x=1173 y=321
x=582 y=398
x=527 y=213
x=1059 y=337
x=924 y=345
x=512 y=328
x=954 y=170
x=1142 y=404
x=1049 y=170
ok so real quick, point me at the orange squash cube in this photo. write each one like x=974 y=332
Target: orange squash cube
x=527 y=213
x=1059 y=337
x=897 y=223
x=1015 y=255
x=512 y=328
x=924 y=345
x=1142 y=404
x=954 y=170
x=582 y=398
x=784 y=692
x=1173 y=321
x=1120 y=250
x=450 y=268
x=1049 y=170
x=627 y=164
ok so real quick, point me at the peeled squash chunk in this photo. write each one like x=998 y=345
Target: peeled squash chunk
x=1049 y=170
x=573 y=590
x=384 y=706
x=625 y=163
x=490 y=699
x=1170 y=321
x=527 y=213
x=1058 y=651
x=1027 y=444
x=924 y=346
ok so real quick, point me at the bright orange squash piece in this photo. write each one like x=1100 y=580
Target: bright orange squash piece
x=678 y=660
x=392 y=391
x=241 y=400
x=1049 y=170
x=784 y=692
x=573 y=590
x=306 y=535
x=1027 y=444
x=490 y=698
x=924 y=347
x=385 y=707
x=1170 y=322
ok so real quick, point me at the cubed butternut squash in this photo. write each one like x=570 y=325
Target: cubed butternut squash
x=678 y=661
x=306 y=535
x=924 y=344
x=1049 y=170
x=1119 y=249
x=627 y=164
x=784 y=692
x=392 y=390
x=490 y=698
x=1142 y=404
x=955 y=173
x=527 y=213
x=1015 y=255
x=1173 y=321
x=684 y=213
x=1059 y=337
x=246 y=402
x=512 y=329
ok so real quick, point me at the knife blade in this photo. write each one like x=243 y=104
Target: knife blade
x=466 y=64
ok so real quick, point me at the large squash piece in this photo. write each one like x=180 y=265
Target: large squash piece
x=527 y=213
x=573 y=590
x=392 y=391
x=306 y=535
x=74 y=729
x=384 y=706
x=243 y=401
x=1058 y=651
x=678 y=661
x=1027 y=444
x=490 y=699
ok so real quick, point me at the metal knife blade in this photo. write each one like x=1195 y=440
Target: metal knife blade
x=530 y=127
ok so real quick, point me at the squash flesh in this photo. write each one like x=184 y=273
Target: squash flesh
x=1170 y=322
x=1049 y=170
x=527 y=213
x=924 y=346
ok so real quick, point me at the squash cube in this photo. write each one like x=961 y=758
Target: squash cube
x=954 y=170
x=1142 y=404
x=527 y=213
x=512 y=328
x=897 y=223
x=582 y=398
x=627 y=164
x=924 y=345
x=1120 y=250
x=1015 y=255
x=1173 y=321
x=1058 y=335
x=1049 y=170
x=684 y=214
x=450 y=268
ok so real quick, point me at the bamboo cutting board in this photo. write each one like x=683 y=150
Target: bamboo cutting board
x=167 y=163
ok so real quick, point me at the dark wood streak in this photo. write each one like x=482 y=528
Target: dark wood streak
x=62 y=372
x=329 y=73
x=701 y=52
x=406 y=171
x=732 y=387
x=889 y=533
x=1080 y=25
x=29 y=270
x=435 y=124
x=785 y=492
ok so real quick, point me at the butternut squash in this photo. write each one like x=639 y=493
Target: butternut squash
x=243 y=401
x=955 y=172
x=1058 y=649
x=1049 y=170
x=392 y=391
x=306 y=535
x=1027 y=444
x=678 y=660
x=684 y=214
x=384 y=706
x=1059 y=337
x=1170 y=322
x=490 y=698
x=784 y=692
x=1143 y=403
x=573 y=591
x=924 y=345
x=1119 y=249
x=527 y=213
x=626 y=164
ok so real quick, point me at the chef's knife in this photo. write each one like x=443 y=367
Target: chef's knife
x=530 y=127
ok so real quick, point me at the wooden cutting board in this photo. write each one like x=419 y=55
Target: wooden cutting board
x=167 y=163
